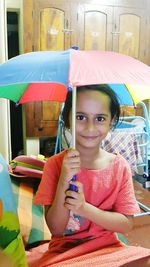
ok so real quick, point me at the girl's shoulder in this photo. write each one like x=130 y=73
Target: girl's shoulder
x=57 y=157
x=55 y=160
x=114 y=161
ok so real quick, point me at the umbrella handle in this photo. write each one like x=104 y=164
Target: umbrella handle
x=72 y=186
x=74 y=92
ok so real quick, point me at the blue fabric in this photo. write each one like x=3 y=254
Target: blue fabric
x=47 y=66
x=124 y=96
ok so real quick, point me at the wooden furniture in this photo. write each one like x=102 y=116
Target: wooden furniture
x=117 y=25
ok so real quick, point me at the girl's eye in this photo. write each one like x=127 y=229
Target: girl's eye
x=100 y=118
x=80 y=117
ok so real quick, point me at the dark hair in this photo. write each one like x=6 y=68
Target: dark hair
x=103 y=88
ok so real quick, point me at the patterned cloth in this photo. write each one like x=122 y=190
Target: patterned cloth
x=31 y=217
x=126 y=142
x=84 y=242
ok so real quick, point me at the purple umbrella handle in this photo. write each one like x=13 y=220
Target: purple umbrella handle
x=72 y=186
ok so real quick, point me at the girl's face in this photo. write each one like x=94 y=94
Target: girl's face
x=93 y=118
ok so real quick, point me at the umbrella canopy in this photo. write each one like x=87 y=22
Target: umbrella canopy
x=45 y=75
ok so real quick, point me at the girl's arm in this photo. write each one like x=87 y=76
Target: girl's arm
x=112 y=221
x=57 y=214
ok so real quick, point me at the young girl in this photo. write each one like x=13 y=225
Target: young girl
x=84 y=223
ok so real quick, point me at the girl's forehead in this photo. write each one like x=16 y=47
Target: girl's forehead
x=93 y=102
x=92 y=96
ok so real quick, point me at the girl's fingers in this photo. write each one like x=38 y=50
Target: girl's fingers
x=70 y=201
x=78 y=185
x=71 y=194
x=72 y=153
x=71 y=162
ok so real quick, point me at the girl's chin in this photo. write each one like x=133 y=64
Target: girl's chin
x=88 y=144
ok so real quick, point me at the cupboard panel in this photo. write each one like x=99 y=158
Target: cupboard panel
x=51 y=29
x=95 y=30
x=129 y=37
x=118 y=25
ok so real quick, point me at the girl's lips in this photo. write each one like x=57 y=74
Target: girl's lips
x=90 y=137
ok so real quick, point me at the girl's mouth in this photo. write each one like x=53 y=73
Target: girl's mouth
x=89 y=137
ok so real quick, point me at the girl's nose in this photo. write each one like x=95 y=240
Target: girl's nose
x=90 y=126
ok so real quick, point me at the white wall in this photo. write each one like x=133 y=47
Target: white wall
x=17 y=5
x=4 y=104
x=5 y=140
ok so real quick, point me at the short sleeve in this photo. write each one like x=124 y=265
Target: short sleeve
x=126 y=202
x=48 y=185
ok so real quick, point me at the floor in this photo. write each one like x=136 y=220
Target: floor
x=140 y=234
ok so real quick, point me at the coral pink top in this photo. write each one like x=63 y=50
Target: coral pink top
x=85 y=243
x=110 y=189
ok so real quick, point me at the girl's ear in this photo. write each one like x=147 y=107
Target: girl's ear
x=113 y=123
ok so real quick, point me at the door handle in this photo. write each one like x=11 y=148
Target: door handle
x=67 y=30
x=40 y=129
x=115 y=33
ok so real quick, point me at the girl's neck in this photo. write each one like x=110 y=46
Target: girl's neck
x=89 y=156
x=95 y=159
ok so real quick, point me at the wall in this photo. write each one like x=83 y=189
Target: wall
x=5 y=143
x=17 y=5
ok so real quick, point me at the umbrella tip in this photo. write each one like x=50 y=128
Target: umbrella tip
x=69 y=88
x=75 y=47
x=17 y=104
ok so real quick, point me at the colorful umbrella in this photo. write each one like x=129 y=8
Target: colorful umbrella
x=45 y=75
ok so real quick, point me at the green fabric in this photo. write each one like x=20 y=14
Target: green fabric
x=122 y=238
x=15 y=163
x=10 y=240
x=13 y=91
x=15 y=251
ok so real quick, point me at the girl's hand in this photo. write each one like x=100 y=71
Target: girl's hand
x=75 y=201
x=70 y=165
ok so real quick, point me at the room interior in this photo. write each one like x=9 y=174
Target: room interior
x=35 y=25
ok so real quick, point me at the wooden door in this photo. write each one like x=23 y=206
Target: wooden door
x=117 y=25
x=129 y=35
x=51 y=24
x=94 y=26
x=51 y=31
x=129 y=31
x=42 y=118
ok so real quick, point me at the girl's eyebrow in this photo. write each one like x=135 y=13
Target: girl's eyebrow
x=102 y=114
x=99 y=114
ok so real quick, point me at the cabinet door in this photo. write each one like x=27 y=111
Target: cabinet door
x=129 y=31
x=42 y=118
x=94 y=26
x=51 y=24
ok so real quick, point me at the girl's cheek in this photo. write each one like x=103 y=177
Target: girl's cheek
x=78 y=126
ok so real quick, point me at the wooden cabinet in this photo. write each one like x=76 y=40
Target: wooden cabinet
x=94 y=26
x=130 y=31
x=51 y=22
x=51 y=31
x=42 y=118
x=117 y=25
